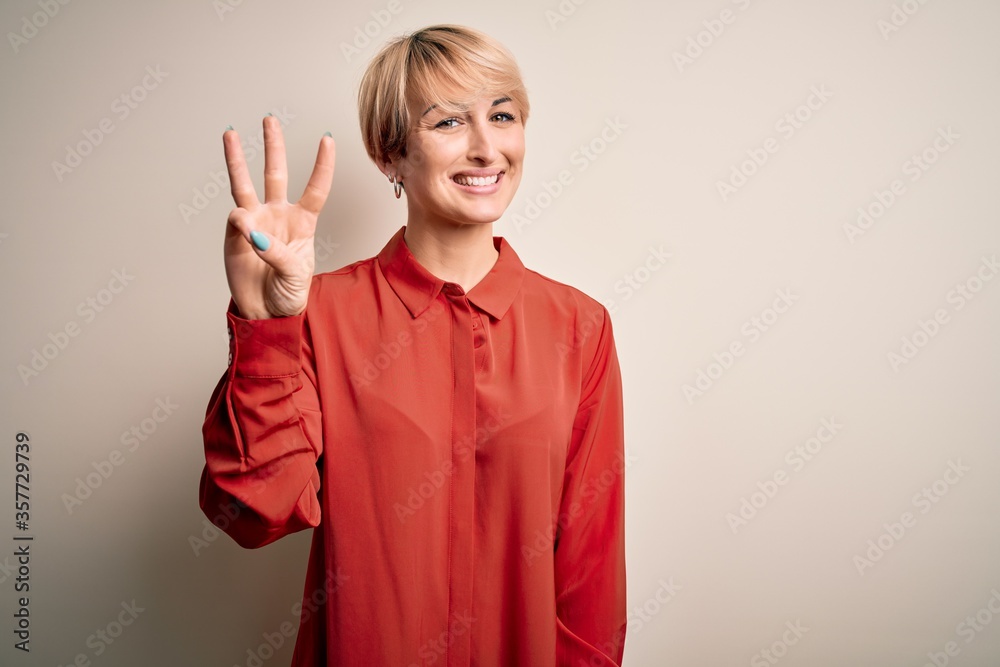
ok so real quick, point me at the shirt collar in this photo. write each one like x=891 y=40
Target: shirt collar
x=417 y=287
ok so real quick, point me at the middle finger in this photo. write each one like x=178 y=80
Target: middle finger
x=275 y=170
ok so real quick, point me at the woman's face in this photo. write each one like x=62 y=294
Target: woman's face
x=462 y=168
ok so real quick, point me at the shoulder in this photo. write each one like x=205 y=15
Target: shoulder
x=563 y=299
x=584 y=322
x=353 y=276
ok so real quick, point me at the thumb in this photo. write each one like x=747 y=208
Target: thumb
x=273 y=252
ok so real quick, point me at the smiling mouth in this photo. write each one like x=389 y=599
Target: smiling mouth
x=477 y=181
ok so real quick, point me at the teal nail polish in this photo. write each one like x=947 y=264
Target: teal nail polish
x=327 y=134
x=270 y=114
x=228 y=127
x=260 y=241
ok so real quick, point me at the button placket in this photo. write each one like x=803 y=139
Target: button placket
x=462 y=479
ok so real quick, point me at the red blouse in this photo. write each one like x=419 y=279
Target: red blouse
x=461 y=455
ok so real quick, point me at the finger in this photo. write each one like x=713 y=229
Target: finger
x=239 y=177
x=318 y=187
x=237 y=224
x=275 y=172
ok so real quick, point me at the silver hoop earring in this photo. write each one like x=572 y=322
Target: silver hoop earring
x=397 y=186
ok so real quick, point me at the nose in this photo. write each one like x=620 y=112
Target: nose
x=481 y=143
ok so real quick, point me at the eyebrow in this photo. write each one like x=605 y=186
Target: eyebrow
x=495 y=102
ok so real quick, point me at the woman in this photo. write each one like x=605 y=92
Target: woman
x=448 y=420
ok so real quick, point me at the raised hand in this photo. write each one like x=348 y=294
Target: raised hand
x=269 y=246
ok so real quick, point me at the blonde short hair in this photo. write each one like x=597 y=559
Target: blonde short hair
x=447 y=65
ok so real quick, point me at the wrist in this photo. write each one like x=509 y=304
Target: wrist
x=250 y=313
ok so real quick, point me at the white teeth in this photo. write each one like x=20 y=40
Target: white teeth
x=470 y=180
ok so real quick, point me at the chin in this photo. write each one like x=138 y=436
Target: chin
x=484 y=216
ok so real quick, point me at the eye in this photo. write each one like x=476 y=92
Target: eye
x=505 y=116
x=446 y=121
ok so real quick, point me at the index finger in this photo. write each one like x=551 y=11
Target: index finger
x=239 y=176
x=318 y=187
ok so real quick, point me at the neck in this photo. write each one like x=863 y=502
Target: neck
x=459 y=253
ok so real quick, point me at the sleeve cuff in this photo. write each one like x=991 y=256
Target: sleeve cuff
x=264 y=348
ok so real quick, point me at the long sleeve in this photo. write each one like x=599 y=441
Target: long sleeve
x=263 y=433
x=591 y=612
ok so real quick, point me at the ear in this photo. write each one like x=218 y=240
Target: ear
x=388 y=166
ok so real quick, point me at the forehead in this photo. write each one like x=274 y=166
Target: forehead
x=449 y=89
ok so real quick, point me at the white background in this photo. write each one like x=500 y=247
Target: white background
x=892 y=77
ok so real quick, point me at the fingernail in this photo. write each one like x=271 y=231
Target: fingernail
x=327 y=134
x=270 y=114
x=228 y=127
x=260 y=241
